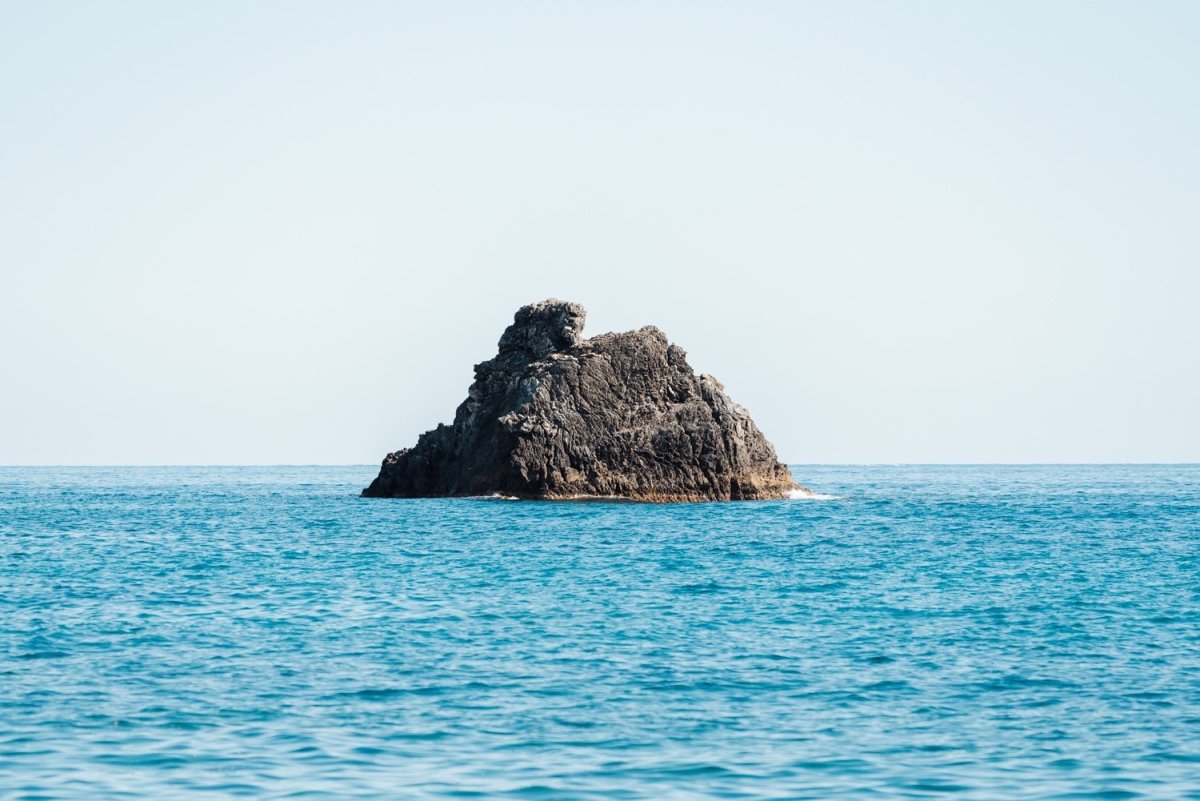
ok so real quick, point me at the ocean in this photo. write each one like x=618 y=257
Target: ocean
x=975 y=632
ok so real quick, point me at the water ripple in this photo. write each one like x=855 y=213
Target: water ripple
x=975 y=633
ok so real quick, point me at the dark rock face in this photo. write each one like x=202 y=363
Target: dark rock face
x=557 y=416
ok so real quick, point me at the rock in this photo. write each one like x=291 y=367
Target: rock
x=557 y=416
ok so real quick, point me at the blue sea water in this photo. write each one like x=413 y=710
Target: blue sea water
x=931 y=632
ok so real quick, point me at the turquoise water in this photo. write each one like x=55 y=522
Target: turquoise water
x=967 y=632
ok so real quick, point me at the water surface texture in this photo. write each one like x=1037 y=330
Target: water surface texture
x=933 y=632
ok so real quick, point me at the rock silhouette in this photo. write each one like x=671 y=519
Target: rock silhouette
x=557 y=416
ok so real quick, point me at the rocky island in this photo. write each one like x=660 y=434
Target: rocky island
x=557 y=416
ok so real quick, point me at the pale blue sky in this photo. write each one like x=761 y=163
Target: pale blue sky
x=897 y=232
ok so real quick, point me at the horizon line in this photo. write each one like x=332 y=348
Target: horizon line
x=787 y=464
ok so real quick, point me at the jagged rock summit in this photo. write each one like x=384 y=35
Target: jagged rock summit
x=557 y=416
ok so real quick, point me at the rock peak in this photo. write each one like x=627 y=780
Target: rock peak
x=540 y=329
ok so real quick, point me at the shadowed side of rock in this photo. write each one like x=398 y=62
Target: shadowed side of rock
x=557 y=416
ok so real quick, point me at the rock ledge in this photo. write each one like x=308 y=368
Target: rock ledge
x=557 y=416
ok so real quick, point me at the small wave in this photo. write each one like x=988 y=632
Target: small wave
x=699 y=588
x=809 y=495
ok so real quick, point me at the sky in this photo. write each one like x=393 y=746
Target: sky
x=283 y=232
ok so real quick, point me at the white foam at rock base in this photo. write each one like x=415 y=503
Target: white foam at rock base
x=809 y=495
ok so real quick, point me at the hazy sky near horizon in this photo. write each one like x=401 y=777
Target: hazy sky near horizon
x=898 y=232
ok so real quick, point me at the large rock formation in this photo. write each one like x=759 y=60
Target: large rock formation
x=557 y=416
